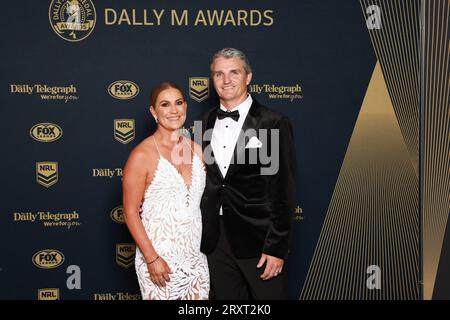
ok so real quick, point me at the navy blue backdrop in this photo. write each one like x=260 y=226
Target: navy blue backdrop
x=320 y=48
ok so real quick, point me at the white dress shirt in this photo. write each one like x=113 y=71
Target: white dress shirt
x=225 y=134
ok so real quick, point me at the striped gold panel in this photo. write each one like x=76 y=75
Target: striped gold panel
x=435 y=174
x=373 y=217
x=397 y=47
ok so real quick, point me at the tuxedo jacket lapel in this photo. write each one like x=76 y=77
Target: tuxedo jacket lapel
x=207 y=142
x=250 y=122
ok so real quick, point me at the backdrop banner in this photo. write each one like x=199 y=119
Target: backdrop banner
x=364 y=83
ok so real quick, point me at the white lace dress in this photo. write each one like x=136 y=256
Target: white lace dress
x=172 y=219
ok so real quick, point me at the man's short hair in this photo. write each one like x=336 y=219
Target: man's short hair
x=228 y=53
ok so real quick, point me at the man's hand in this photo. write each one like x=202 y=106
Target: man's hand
x=274 y=266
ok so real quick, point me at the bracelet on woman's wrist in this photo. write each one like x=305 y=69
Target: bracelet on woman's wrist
x=157 y=257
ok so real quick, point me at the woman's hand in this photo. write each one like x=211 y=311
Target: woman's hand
x=159 y=272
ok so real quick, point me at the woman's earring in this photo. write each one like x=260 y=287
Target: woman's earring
x=156 y=119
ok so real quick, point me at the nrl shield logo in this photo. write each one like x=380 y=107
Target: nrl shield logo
x=47 y=173
x=199 y=88
x=125 y=254
x=124 y=130
x=48 y=294
x=72 y=20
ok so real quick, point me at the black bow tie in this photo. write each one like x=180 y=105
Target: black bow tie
x=223 y=114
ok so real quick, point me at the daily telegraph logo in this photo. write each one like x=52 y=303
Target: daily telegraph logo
x=277 y=92
x=123 y=89
x=72 y=20
x=124 y=130
x=48 y=294
x=47 y=173
x=49 y=219
x=117 y=296
x=107 y=172
x=125 y=254
x=46 y=92
x=46 y=132
x=117 y=215
x=199 y=88
x=48 y=259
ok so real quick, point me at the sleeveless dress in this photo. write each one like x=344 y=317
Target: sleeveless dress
x=172 y=219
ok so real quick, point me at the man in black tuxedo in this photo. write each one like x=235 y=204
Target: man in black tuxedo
x=248 y=202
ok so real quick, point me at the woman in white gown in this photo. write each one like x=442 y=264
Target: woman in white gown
x=163 y=182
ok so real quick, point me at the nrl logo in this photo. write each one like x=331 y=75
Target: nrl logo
x=47 y=173
x=199 y=88
x=124 y=130
x=125 y=254
x=48 y=294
